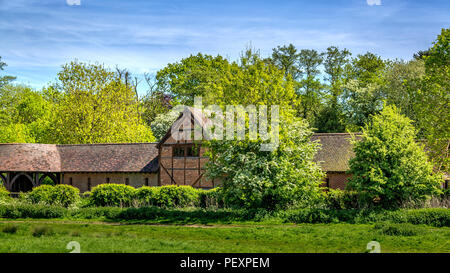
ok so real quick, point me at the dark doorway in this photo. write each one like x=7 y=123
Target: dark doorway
x=22 y=184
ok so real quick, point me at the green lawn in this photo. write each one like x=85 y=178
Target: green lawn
x=96 y=236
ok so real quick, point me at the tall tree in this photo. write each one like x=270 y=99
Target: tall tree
x=403 y=80
x=363 y=89
x=432 y=109
x=4 y=79
x=191 y=77
x=96 y=107
x=286 y=59
x=310 y=86
x=24 y=114
x=331 y=117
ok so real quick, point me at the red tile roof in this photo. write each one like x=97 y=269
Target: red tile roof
x=126 y=157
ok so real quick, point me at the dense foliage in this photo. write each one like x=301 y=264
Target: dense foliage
x=4 y=194
x=389 y=166
x=278 y=179
x=118 y=195
x=168 y=196
x=63 y=195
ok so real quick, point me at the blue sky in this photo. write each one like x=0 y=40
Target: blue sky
x=37 y=37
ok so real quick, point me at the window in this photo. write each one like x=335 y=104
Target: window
x=70 y=181
x=188 y=151
x=178 y=151
x=89 y=184
x=192 y=151
x=146 y=181
x=127 y=181
x=107 y=180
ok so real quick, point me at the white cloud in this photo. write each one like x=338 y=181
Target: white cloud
x=73 y=2
x=373 y=2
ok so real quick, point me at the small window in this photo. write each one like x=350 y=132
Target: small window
x=192 y=151
x=70 y=181
x=178 y=151
x=107 y=180
x=127 y=181
x=89 y=184
x=146 y=181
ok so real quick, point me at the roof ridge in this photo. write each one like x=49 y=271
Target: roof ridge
x=107 y=144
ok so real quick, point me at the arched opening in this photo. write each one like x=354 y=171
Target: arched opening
x=48 y=179
x=22 y=183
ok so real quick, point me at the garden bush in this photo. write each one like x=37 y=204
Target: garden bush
x=437 y=217
x=146 y=196
x=341 y=199
x=185 y=215
x=63 y=195
x=117 y=195
x=211 y=198
x=176 y=196
x=4 y=194
x=393 y=229
x=36 y=211
x=10 y=229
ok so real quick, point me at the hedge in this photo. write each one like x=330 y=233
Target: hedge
x=4 y=194
x=431 y=217
x=171 y=196
x=437 y=217
x=63 y=195
x=118 y=195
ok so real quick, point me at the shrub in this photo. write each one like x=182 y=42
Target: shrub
x=117 y=195
x=63 y=195
x=176 y=196
x=339 y=199
x=39 y=231
x=321 y=216
x=146 y=195
x=14 y=211
x=437 y=217
x=4 y=194
x=211 y=198
x=10 y=229
x=404 y=229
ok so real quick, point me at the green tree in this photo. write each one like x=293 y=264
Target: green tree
x=363 y=89
x=162 y=123
x=4 y=79
x=389 y=166
x=255 y=81
x=331 y=117
x=310 y=86
x=24 y=114
x=271 y=180
x=403 y=80
x=286 y=59
x=432 y=107
x=191 y=77
x=96 y=106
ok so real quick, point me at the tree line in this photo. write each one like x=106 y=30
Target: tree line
x=333 y=91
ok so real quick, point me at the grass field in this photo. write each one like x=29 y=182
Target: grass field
x=96 y=236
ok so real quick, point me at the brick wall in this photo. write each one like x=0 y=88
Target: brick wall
x=81 y=180
x=337 y=180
